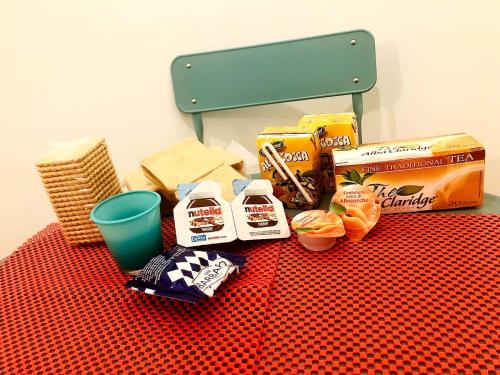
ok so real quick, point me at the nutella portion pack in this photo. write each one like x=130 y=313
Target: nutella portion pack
x=257 y=213
x=203 y=217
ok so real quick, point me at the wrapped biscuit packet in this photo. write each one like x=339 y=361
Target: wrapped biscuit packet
x=359 y=209
x=186 y=274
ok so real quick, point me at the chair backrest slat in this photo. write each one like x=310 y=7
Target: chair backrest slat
x=328 y=65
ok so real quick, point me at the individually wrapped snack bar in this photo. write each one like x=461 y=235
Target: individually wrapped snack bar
x=186 y=274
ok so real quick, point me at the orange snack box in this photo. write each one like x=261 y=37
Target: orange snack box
x=334 y=130
x=300 y=150
x=423 y=174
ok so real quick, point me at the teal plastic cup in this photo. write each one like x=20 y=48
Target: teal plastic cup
x=131 y=226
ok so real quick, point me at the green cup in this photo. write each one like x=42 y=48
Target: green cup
x=131 y=226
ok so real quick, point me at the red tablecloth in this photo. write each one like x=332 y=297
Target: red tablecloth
x=419 y=294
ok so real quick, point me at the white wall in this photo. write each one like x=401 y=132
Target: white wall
x=89 y=67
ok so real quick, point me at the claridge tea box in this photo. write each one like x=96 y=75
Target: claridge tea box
x=423 y=174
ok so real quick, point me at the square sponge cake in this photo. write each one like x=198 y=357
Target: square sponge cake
x=186 y=161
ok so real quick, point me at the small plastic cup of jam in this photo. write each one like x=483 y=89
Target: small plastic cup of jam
x=361 y=210
x=318 y=230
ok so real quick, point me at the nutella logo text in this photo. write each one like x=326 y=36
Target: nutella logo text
x=211 y=211
x=260 y=208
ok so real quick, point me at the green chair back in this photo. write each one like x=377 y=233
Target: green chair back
x=328 y=65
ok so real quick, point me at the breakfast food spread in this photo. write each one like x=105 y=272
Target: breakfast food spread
x=257 y=213
x=290 y=158
x=202 y=216
x=416 y=175
x=318 y=230
x=186 y=274
x=359 y=209
x=334 y=131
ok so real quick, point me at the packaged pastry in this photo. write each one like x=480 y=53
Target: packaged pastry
x=257 y=213
x=359 y=209
x=202 y=216
x=290 y=158
x=416 y=175
x=186 y=274
x=318 y=230
x=334 y=131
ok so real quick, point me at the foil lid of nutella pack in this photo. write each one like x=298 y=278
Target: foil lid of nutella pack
x=257 y=213
x=202 y=216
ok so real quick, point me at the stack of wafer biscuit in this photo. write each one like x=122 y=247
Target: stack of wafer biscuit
x=77 y=176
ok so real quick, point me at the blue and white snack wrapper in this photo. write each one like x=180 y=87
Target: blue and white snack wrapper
x=186 y=274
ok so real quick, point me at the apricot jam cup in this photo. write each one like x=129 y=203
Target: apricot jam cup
x=361 y=210
x=318 y=230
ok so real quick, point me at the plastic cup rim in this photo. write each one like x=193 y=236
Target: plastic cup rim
x=117 y=196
